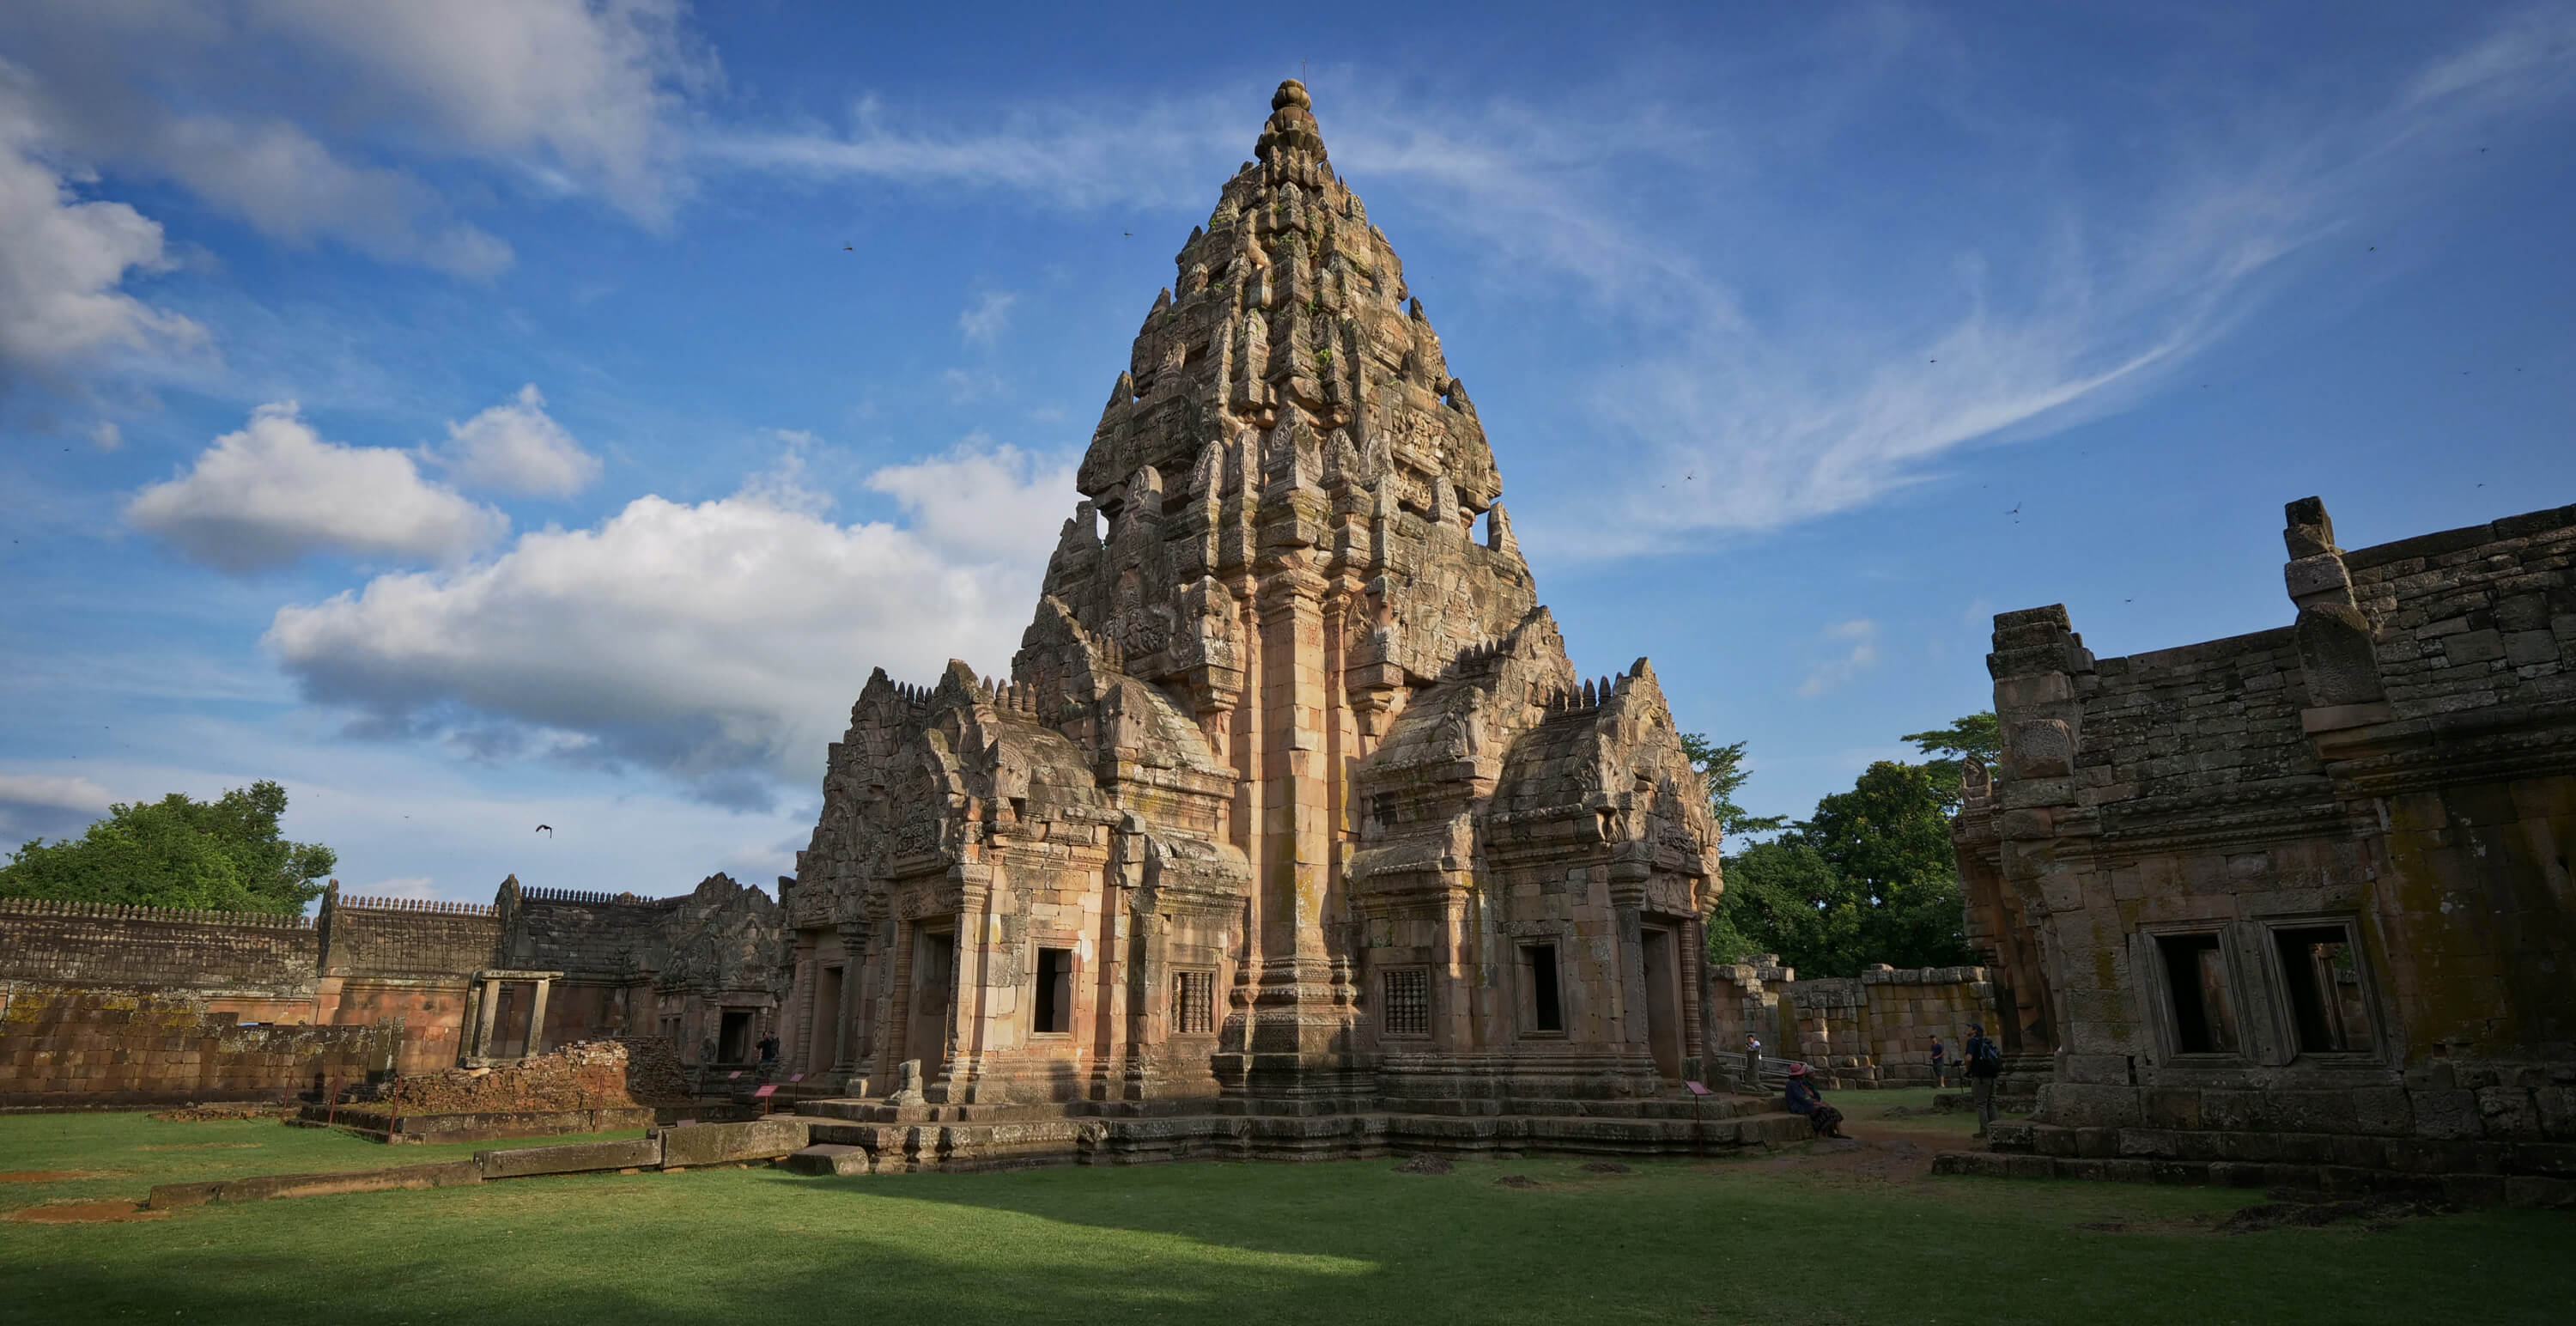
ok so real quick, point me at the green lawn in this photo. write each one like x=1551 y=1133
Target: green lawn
x=1790 y=1237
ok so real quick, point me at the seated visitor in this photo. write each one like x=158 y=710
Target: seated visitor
x=1802 y=1097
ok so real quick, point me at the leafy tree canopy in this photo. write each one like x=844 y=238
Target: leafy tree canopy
x=1979 y=734
x=223 y=855
x=1722 y=768
x=1870 y=877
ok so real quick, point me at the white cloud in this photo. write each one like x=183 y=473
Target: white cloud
x=106 y=436
x=64 y=260
x=568 y=96
x=277 y=490
x=586 y=89
x=984 y=318
x=1078 y=156
x=282 y=180
x=1857 y=643
x=517 y=447
x=720 y=643
x=965 y=386
x=47 y=806
x=983 y=500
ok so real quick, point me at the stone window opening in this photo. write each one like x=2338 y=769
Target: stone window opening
x=1382 y=808
x=2204 y=1018
x=1407 y=1007
x=1545 y=1009
x=1052 y=1014
x=1194 y=1002
x=2327 y=1000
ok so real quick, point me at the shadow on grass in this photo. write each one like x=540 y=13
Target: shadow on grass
x=1241 y=1244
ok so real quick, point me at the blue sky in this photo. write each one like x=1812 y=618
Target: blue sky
x=489 y=413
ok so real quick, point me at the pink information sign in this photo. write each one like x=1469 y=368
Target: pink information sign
x=796 y=1077
x=1697 y=1088
x=732 y=1075
x=765 y=1091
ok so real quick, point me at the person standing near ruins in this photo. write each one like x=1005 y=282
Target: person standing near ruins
x=1940 y=1064
x=1985 y=1064
x=1752 y=1062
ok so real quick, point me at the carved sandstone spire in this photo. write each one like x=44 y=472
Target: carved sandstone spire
x=1290 y=344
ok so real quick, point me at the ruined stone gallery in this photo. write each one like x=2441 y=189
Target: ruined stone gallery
x=1291 y=796
x=2296 y=904
x=111 y=1005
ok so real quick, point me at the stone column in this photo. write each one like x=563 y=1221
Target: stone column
x=537 y=1017
x=482 y=1046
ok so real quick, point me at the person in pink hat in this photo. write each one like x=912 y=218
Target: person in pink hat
x=1802 y=1097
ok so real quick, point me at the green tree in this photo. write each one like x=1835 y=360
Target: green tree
x=223 y=855
x=1722 y=768
x=1889 y=840
x=1869 y=878
x=1977 y=734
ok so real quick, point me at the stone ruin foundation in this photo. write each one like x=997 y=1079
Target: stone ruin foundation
x=1291 y=830
x=588 y=1086
x=2295 y=906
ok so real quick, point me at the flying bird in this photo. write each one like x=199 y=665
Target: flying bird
x=546 y=829
x=848 y=249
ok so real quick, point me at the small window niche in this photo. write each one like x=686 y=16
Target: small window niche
x=1194 y=1002
x=1407 y=1001
x=2204 y=1019
x=1053 y=1014
x=1545 y=1010
x=2328 y=1001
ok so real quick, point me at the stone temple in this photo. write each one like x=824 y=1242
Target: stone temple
x=1292 y=804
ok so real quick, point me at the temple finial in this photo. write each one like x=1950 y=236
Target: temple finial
x=1292 y=125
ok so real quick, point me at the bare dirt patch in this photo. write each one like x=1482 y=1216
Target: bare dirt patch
x=2375 y=1214
x=85 y=1213
x=1425 y=1164
x=1606 y=1167
x=50 y=1175
x=1516 y=1181
x=1882 y=1156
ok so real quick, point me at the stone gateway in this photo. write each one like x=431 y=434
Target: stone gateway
x=1292 y=803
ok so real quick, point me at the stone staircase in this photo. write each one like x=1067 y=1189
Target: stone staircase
x=853 y=1136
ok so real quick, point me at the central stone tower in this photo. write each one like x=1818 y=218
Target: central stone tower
x=1292 y=799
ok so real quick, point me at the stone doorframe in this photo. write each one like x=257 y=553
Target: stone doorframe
x=483 y=1005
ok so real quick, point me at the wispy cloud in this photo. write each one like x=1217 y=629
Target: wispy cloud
x=984 y=316
x=1855 y=650
x=2051 y=289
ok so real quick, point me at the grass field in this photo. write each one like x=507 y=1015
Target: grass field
x=1832 y=1235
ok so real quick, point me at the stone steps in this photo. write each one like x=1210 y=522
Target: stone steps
x=1681 y=1109
x=898 y=1146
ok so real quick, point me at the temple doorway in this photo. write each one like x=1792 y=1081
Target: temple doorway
x=1663 y=1003
x=934 y=971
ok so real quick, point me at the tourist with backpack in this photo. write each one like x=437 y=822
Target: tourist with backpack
x=1985 y=1064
